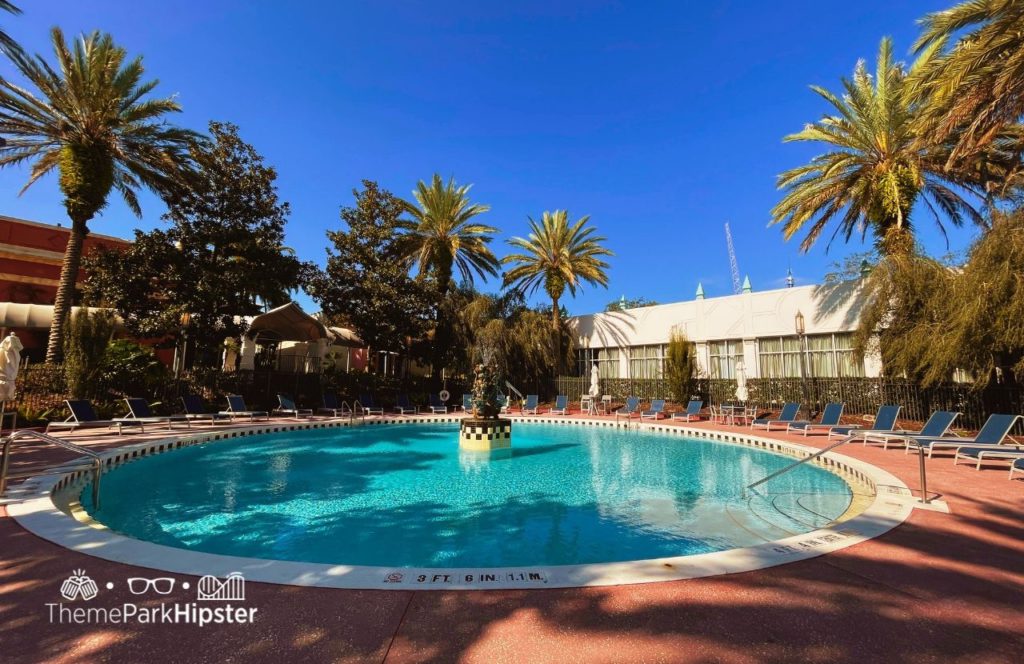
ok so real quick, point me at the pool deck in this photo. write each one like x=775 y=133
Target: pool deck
x=939 y=588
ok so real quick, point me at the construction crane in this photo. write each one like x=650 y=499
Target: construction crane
x=737 y=288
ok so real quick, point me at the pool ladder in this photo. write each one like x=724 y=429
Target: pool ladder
x=93 y=462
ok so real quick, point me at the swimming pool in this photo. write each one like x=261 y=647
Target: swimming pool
x=403 y=496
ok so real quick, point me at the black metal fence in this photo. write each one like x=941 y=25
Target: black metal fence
x=862 y=396
x=41 y=389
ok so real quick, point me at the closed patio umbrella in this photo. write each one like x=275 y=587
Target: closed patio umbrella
x=10 y=362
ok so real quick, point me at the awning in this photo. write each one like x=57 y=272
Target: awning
x=342 y=336
x=34 y=316
x=286 y=323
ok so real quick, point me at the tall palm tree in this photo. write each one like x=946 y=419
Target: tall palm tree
x=558 y=256
x=975 y=87
x=444 y=236
x=7 y=44
x=89 y=121
x=876 y=169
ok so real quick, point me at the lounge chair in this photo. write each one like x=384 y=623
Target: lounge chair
x=992 y=433
x=333 y=407
x=561 y=405
x=656 y=410
x=367 y=405
x=692 y=411
x=403 y=406
x=1017 y=467
x=195 y=409
x=629 y=410
x=531 y=404
x=829 y=418
x=788 y=414
x=504 y=402
x=83 y=415
x=467 y=403
x=237 y=408
x=286 y=406
x=999 y=452
x=936 y=427
x=437 y=406
x=885 y=422
x=138 y=409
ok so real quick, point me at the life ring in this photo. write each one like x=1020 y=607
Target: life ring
x=444 y=395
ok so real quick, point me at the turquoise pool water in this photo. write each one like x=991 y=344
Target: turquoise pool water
x=404 y=496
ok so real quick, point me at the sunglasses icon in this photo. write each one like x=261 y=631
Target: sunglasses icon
x=161 y=586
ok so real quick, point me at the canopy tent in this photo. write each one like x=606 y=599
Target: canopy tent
x=286 y=323
x=34 y=316
x=342 y=336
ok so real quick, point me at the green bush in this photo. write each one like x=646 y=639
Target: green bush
x=129 y=369
x=85 y=343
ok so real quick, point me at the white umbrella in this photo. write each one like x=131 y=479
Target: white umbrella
x=741 y=381
x=595 y=381
x=10 y=362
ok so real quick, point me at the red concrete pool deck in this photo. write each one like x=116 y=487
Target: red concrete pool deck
x=939 y=588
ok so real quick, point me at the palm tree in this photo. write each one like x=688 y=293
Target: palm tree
x=975 y=87
x=89 y=121
x=557 y=255
x=7 y=44
x=443 y=235
x=877 y=169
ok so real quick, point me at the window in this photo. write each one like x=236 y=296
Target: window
x=647 y=361
x=722 y=358
x=828 y=356
x=607 y=360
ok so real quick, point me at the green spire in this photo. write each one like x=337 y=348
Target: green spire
x=700 y=291
x=746 y=284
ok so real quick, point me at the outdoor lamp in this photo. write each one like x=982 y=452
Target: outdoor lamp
x=799 y=320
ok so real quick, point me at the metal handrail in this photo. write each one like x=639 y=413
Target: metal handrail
x=97 y=461
x=782 y=471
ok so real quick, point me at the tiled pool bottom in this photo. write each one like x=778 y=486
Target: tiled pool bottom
x=634 y=486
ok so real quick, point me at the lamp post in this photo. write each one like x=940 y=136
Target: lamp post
x=801 y=329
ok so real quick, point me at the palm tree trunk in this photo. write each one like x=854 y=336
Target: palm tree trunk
x=556 y=334
x=65 y=291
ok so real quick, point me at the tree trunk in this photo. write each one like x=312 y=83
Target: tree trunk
x=65 y=291
x=556 y=334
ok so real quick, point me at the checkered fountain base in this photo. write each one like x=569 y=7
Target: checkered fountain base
x=485 y=435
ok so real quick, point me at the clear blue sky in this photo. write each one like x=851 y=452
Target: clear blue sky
x=660 y=120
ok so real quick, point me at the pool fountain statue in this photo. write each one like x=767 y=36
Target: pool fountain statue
x=484 y=431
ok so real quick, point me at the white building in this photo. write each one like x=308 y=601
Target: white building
x=758 y=328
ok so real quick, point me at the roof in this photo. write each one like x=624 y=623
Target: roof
x=32 y=316
x=61 y=229
x=286 y=323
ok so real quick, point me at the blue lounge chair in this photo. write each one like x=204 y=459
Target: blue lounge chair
x=1017 y=467
x=237 y=408
x=83 y=415
x=656 y=410
x=561 y=405
x=437 y=406
x=788 y=414
x=367 y=405
x=333 y=407
x=629 y=410
x=692 y=411
x=195 y=409
x=531 y=404
x=286 y=406
x=992 y=433
x=503 y=402
x=936 y=427
x=829 y=418
x=404 y=407
x=885 y=422
x=467 y=403
x=138 y=409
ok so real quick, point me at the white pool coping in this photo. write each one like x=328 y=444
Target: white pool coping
x=38 y=512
